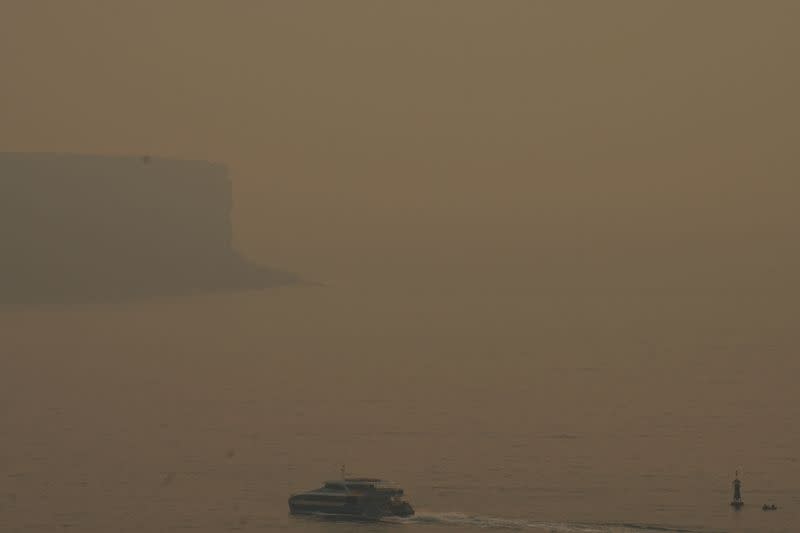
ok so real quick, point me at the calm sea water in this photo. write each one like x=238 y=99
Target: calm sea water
x=497 y=409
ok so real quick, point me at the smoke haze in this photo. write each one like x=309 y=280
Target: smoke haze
x=532 y=219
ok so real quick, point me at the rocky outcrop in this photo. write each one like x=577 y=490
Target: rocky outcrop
x=94 y=228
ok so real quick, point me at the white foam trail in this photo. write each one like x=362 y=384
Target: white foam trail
x=490 y=522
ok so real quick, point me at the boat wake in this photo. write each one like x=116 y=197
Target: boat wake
x=489 y=522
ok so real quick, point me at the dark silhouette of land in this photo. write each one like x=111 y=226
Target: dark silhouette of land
x=78 y=228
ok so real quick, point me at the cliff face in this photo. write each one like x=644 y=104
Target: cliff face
x=95 y=228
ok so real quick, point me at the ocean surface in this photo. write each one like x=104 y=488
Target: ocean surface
x=502 y=406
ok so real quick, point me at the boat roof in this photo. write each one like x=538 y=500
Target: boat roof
x=360 y=481
x=356 y=482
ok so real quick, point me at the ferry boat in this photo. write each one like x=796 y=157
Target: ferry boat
x=355 y=498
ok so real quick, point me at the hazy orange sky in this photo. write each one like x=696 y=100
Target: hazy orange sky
x=606 y=129
x=557 y=246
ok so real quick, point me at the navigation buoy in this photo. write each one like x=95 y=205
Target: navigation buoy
x=737 y=501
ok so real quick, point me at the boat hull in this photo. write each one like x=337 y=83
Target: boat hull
x=361 y=510
x=353 y=499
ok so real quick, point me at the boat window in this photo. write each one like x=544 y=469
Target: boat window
x=323 y=497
